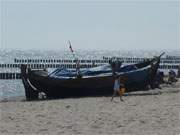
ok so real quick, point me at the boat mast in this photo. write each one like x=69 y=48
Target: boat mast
x=76 y=59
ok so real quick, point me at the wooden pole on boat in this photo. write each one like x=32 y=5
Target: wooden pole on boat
x=76 y=60
x=72 y=51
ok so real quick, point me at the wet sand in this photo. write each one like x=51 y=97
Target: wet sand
x=154 y=112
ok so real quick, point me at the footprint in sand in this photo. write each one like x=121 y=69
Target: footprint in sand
x=40 y=115
x=44 y=130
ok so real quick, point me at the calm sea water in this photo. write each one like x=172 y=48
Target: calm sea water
x=11 y=89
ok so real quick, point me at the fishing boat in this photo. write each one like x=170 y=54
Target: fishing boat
x=97 y=81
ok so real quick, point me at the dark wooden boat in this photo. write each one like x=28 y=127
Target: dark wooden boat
x=37 y=81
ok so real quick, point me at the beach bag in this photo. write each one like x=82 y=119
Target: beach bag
x=122 y=91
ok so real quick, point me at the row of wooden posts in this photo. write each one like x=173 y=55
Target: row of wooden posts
x=10 y=75
x=99 y=61
x=36 y=66
x=41 y=66
x=16 y=75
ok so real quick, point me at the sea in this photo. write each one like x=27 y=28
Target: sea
x=14 y=90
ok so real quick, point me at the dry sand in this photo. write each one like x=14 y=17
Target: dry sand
x=156 y=112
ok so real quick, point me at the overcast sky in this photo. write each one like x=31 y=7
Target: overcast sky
x=44 y=24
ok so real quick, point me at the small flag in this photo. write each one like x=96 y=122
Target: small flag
x=70 y=47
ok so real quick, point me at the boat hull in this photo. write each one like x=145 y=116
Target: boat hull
x=37 y=81
x=91 y=86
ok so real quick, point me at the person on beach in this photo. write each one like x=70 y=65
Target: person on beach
x=115 y=66
x=78 y=75
x=178 y=73
x=117 y=88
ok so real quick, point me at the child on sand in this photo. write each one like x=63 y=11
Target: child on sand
x=117 y=88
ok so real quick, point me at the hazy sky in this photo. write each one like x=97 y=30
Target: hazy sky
x=90 y=25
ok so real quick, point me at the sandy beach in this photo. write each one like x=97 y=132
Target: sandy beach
x=154 y=112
